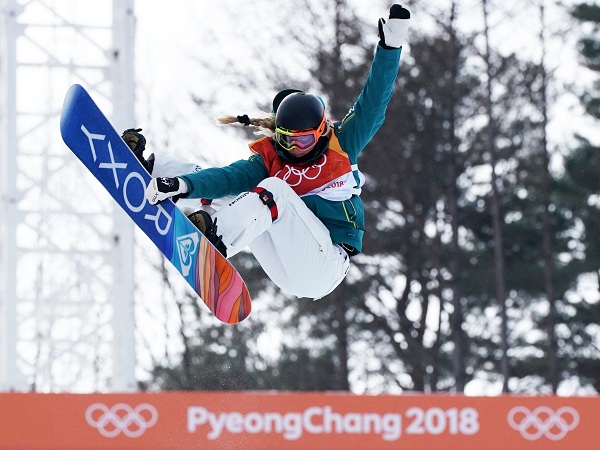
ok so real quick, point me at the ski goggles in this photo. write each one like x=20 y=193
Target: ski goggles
x=301 y=140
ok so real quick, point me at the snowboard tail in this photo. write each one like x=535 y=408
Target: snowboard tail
x=92 y=138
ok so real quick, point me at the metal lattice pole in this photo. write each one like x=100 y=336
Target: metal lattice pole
x=66 y=291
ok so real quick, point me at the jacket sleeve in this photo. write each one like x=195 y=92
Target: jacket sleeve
x=368 y=112
x=216 y=182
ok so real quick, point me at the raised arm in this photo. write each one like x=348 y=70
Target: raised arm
x=368 y=112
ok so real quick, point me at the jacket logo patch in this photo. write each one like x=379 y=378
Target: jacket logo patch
x=294 y=176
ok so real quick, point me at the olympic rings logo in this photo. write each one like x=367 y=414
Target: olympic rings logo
x=121 y=418
x=543 y=421
x=308 y=173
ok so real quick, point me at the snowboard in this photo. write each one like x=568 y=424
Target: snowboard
x=92 y=138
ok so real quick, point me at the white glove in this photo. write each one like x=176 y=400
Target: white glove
x=160 y=189
x=392 y=32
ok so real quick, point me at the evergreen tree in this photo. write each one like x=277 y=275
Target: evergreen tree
x=589 y=49
x=583 y=187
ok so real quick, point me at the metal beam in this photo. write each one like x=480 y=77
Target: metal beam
x=66 y=259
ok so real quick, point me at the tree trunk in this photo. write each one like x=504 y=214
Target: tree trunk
x=497 y=216
x=547 y=228
x=456 y=320
x=341 y=334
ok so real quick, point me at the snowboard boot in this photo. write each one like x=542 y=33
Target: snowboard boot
x=137 y=143
x=208 y=228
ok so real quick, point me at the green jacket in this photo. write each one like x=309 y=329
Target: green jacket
x=344 y=219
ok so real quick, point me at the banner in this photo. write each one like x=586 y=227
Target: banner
x=329 y=421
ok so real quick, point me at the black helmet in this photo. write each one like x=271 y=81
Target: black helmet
x=300 y=111
x=300 y=123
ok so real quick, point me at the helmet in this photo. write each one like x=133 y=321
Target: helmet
x=300 y=111
x=299 y=121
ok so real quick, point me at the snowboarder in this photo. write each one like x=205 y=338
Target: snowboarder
x=295 y=202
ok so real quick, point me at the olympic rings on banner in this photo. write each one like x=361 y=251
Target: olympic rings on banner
x=543 y=421
x=121 y=418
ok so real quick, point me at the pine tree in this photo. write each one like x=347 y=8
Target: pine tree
x=584 y=186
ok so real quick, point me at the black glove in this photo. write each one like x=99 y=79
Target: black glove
x=393 y=31
x=160 y=189
x=135 y=141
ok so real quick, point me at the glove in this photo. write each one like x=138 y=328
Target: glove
x=393 y=31
x=160 y=189
x=135 y=141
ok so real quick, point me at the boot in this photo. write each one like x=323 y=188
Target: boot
x=137 y=143
x=208 y=228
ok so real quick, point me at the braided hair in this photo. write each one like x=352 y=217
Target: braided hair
x=265 y=125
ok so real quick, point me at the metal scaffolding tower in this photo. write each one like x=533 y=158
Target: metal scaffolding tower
x=66 y=250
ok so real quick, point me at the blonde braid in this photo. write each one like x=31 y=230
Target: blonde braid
x=265 y=125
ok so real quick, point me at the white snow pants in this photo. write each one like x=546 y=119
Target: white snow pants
x=295 y=250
